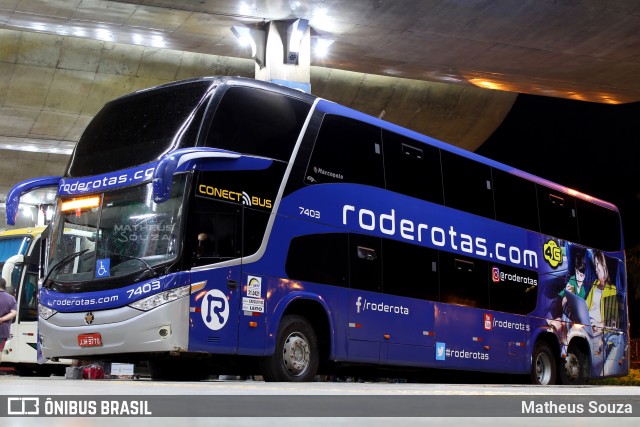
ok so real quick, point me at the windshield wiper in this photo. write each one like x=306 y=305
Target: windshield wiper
x=64 y=261
x=153 y=272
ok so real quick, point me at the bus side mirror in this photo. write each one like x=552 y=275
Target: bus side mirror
x=9 y=268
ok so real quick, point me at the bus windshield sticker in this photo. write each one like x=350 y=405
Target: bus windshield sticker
x=103 y=267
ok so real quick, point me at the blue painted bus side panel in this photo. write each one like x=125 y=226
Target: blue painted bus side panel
x=475 y=339
x=403 y=327
x=214 y=312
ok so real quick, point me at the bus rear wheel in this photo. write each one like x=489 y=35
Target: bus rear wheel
x=574 y=370
x=543 y=366
x=296 y=357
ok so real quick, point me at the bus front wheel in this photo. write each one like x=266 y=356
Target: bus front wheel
x=296 y=357
x=543 y=366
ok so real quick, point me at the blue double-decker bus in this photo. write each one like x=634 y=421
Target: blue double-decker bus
x=230 y=225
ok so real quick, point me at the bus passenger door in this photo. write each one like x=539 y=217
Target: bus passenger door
x=254 y=287
x=215 y=242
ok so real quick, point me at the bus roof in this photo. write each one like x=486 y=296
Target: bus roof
x=334 y=108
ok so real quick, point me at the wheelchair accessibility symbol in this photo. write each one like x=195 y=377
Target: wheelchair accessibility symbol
x=214 y=309
x=102 y=267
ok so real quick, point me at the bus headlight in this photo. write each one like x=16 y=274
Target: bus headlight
x=157 y=300
x=45 y=312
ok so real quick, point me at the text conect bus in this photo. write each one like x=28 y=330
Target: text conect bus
x=235 y=225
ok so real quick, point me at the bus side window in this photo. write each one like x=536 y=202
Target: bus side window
x=346 y=150
x=557 y=214
x=365 y=263
x=464 y=281
x=515 y=200
x=412 y=168
x=29 y=294
x=467 y=185
x=599 y=227
x=410 y=270
x=28 y=298
x=513 y=296
x=319 y=258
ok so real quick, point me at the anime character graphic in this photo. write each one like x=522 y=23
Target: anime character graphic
x=595 y=317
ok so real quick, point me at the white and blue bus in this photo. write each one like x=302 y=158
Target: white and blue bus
x=235 y=224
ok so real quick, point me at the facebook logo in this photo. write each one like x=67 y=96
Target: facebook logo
x=441 y=351
x=23 y=406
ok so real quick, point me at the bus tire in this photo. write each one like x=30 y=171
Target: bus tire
x=296 y=358
x=543 y=364
x=574 y=369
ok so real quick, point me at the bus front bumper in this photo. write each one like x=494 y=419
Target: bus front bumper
x=116 y=331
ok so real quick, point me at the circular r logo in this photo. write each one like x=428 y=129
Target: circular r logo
x=214 y=309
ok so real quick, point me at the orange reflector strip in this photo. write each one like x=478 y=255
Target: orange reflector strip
x=86 y=202
x=386 y=336
x=486 y=347
x=253 y=324
x=195 y=287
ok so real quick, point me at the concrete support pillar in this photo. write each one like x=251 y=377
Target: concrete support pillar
x=287 y=64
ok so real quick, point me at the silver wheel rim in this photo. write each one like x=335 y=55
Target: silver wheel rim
x=296 y=354
x=572 y=367
x=543 y=369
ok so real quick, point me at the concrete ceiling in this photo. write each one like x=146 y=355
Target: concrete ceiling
x=451 y=69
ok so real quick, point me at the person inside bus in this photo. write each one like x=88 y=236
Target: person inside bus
x=601 y=293
x=205 y=246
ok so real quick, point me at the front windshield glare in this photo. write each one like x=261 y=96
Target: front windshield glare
x=126 y=233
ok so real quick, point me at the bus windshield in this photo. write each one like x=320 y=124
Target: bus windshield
x=115 y=234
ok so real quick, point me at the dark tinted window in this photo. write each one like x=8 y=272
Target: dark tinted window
x=412 y=168
x=213 y=232
x=557 y=214
x=365 y=263
x=320 y=258
x=599 y=226
x=513 y=290
x=515 y=200
x=467 y=185
x=410 y=270
x=28 y=296
x=463 y=280
x=258 y=122
x=346 y=151
x=140 y=128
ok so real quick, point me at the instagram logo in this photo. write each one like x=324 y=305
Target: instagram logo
x=488 y=321
x=495 y=274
